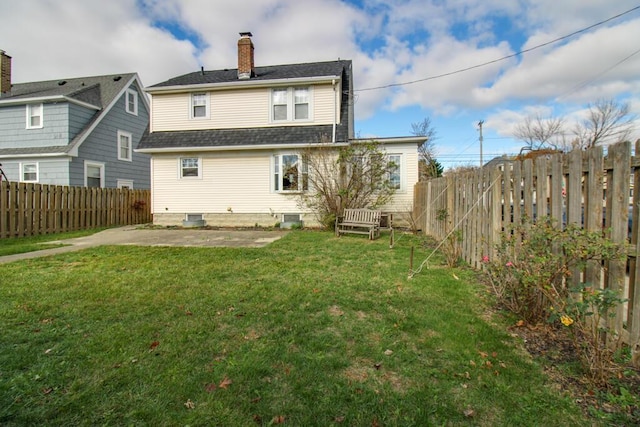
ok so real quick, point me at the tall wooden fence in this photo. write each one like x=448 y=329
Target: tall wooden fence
x=580 y=187
x=32 y=209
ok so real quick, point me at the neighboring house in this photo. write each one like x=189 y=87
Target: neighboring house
x=226 y=145
x=75 y=132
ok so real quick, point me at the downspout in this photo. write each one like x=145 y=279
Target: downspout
x=335 y=107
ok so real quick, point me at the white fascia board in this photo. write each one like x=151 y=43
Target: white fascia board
x=48 y=99
x=32 y=155
x=242 y=84
x=392 y=140
x=237 y=148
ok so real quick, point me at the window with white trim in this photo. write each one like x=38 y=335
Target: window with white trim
x=29 y=172
x=131 y=102
x=34 y=116
x=395 y=169
x=190 y=167
x=290 y=173
x=291 y=104
x=94 y=175
x=124 y=146
x=199 y=106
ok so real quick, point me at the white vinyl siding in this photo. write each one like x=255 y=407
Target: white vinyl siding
x=244 y=182
x=243 y=108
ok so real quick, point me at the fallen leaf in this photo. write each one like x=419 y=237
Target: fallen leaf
x=339 y=419
x=211 y=387
x=278 y=419
x=47 y=351
x=472 y=363
x=469 y=412
x=188 y=313
x=520 y=323
x=455 y=277
x=189 y=404
x=483 y=354
x=258 y=419
x=225 y=383
x=494 y=354
x=154 y=345
x=46 y=390
x=388 y=352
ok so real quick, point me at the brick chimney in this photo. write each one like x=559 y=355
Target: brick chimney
x=246 y=68
x=5 y=72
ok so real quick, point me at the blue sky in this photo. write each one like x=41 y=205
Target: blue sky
x=391 y=42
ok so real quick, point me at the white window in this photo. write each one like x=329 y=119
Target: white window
x=190 y=167
x=131 y=102
x=124 y=146
x=290 y=173
x=29 y=172
x=291 y=104
x=199 y=106
x=125 y=184
x=94 y=174
x=395 y=171
x=34 y=116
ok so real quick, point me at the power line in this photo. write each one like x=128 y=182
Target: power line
x=503 y=58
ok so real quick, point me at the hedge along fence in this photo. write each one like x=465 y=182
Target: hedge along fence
x=580 y=187
x=28 y=209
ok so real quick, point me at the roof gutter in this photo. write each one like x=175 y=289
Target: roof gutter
x=234 y=148
x=53 y=98
x=241 y=83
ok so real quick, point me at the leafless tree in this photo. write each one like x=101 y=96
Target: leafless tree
x=428 y=165
x=350 y=177
x=608 y=121
x=539 y=132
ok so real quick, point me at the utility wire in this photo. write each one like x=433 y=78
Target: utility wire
x=500 y=59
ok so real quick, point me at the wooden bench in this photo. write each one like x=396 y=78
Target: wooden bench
x=359 y=221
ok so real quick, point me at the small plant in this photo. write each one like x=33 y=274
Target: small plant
x=139 y=205
x=451 y=246
x=529 y=277
x=586 y=314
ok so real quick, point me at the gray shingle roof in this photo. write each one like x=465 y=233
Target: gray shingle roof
x=274 y=72
x=220 y=138
x=95 y=90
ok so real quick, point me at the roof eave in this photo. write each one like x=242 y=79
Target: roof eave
x=243 y=83
x=169 y=150
x=43 y=99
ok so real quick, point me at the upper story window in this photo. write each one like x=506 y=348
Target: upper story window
x=124 y=146
x=190 y=167
x=290 y=173
x=131 y=102
x=291 y=104
x=29 y=172
x=34 y=116
x=199 y=105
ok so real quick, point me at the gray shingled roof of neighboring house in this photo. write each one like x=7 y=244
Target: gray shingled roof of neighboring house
x=98 y=91
x=283 y=135
x=274 y=72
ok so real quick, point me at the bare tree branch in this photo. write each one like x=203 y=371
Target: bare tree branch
x=608 y=121
x=539 y=132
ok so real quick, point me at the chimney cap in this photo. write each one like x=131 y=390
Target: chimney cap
x=246 y=34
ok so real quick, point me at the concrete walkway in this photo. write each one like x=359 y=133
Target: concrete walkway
x=134 y=235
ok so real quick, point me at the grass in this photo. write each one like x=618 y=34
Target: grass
x=36 y=243
x=310 y=330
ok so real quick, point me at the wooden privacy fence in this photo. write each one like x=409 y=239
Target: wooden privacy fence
x=28 y=209
x=580 y=187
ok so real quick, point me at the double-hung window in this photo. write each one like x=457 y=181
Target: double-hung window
x=199 y=106
x=29 y=172
x=124 y=146
x=131 y=102
x=290 y=173
x=291 y=104
x=190 y=167
x=34 y=116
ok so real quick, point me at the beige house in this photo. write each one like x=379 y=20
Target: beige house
x=226 y=145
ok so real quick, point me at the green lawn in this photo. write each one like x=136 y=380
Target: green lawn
x=36 y=243
x=310 y=330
